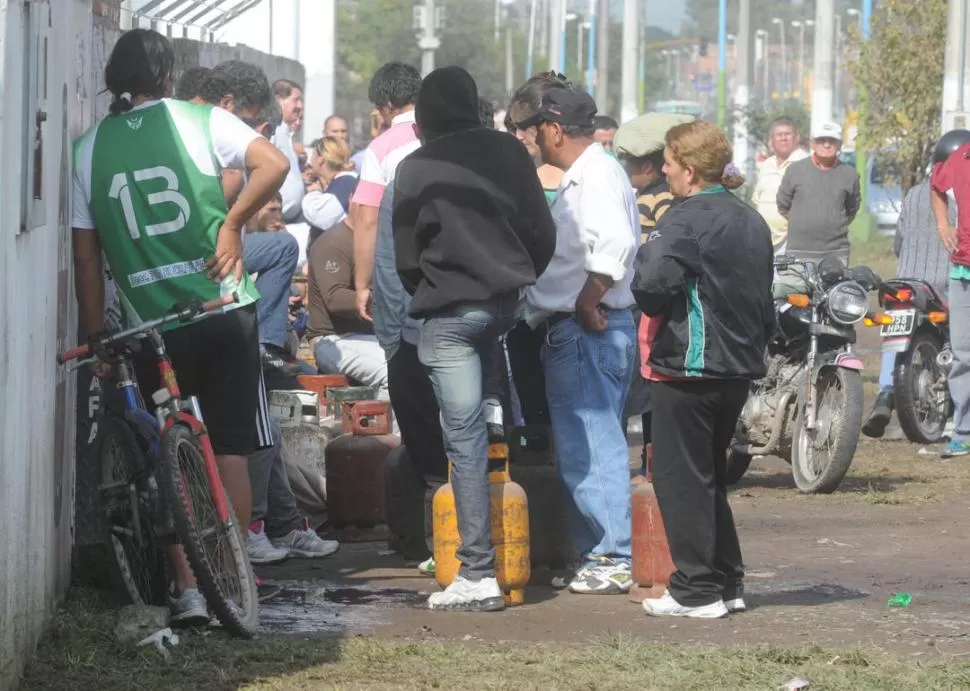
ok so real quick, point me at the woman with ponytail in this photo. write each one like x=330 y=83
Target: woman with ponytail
x=147 y=193
x=703 y=281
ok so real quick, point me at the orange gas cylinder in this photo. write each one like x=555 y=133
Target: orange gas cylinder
x=320 y=383
x=355 y=466
x=652 y=565
x=510 y=531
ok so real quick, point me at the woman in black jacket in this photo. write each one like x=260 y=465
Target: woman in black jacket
x=704 y=280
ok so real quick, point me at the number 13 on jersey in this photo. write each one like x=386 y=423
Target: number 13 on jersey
x=121 y=189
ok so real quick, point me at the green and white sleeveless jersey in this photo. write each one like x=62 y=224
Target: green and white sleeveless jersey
x=149 y=181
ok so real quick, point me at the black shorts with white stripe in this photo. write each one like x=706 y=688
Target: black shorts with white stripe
x=217 y=360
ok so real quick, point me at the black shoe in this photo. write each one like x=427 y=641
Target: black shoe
x=496 y=433
x=878 y=420
x=272 y=359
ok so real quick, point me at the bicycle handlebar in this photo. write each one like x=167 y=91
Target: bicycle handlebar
x=186 y=313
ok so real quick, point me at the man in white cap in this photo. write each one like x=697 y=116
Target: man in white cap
x=820 y=197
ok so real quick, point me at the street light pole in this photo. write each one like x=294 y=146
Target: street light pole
x=762 y=36
x=721 y=62
x=784 y=57
x=824 y=62
x=628 y=73
x=591 y=45
x=428 y=42
x=532 y=39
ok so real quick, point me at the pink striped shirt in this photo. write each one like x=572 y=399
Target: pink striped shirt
x=382 y=158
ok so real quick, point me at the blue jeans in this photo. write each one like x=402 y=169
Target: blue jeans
x=588 y=377
x=458 y=347
x=886 y=367
x=274 y=257
x=959 y=377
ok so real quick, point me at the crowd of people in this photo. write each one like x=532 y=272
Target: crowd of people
x=569 y=272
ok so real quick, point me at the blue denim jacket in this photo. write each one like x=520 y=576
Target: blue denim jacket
x=390 y=301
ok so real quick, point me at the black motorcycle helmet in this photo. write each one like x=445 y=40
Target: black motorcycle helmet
x=949 y=142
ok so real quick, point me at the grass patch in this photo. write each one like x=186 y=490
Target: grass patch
x=79 y=652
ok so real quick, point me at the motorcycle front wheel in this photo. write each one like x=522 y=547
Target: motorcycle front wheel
x=918 y=406
x=821 y=457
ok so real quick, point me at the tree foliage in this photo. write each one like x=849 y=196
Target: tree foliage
x=757 y=119
x=372 y=32
x=900 y=68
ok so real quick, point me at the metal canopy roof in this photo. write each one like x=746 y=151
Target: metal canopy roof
x=206 y=14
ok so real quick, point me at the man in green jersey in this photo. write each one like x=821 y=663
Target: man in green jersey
x=147 y=193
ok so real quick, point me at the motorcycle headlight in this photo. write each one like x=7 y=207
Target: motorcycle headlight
x=847 y=303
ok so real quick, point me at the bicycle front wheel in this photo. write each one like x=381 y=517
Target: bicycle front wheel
x=209 y=531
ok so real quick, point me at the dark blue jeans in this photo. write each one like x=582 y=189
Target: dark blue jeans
x=460 y=348
x=274 y=257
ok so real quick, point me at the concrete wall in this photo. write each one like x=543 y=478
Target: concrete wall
x=190 y=53
x=37 y=310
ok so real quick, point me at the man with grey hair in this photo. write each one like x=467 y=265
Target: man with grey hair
x=783 y=140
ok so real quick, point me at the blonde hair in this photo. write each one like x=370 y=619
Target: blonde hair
x=335 y=152
x=705 y=148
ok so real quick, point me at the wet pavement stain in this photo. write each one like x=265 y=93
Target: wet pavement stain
x=331 y=609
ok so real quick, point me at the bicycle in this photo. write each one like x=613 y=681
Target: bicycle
x=173 y=446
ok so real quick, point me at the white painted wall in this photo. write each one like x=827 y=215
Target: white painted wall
x=36 y=319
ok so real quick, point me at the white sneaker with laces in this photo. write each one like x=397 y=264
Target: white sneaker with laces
x=188 y=608
x=259 y=548
x=305 y=543
x=464 y=595
x=667 y=606
x=602 y=576
x=736 y=605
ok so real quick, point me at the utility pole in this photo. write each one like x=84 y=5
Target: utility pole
x=837 y=95
x=509 y=76
x=532 y=39
x=591 y=46
x=722 y=63
x=862 y=224
x=642 y=62
x=555 y=29
x=742 y=91
x=562 y=37
x=602 y=55
x=498 y=19
x=784 y=56
x=954 y=65
x=824 y=62
x=427 y=20
x=631 y=31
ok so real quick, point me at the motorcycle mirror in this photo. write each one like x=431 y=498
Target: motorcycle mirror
x=831 y=269
x=865 y=276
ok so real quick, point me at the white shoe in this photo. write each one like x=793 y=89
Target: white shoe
x=426 y=568
x=188 y=608
x=259 y=548
x=469 y=596
x=736 y=605
x=306 y=544
x=667 y=606
x=602 y=576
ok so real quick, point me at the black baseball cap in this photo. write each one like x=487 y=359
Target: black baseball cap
x=566 y=106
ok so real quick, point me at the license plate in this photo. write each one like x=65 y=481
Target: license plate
x=903 y=323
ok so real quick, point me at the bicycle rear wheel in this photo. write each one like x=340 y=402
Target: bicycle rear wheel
x=209 y=534
x=128 y=507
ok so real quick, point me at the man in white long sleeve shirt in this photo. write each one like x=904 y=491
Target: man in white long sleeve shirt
x=583 y=305
x=290 y=97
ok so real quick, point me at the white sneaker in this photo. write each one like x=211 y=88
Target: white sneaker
x=602 y=576
x=426 y=568
x=259 y=548
x=667 y=606
x=189 y=608
x=736 y=605
x=306 y=544
x=464 y=595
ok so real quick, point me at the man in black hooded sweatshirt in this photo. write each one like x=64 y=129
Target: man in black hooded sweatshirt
x=471 y=230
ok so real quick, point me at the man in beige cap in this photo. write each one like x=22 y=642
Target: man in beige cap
x=639 y=145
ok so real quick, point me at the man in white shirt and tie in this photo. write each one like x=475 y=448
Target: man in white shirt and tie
x=583 y=304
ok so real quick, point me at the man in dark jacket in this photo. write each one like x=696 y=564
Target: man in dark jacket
x=471 y=229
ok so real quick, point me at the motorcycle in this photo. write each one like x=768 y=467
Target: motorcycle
x=808 y=408
x=915 y=326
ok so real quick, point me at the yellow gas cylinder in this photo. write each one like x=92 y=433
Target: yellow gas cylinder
x=510 y=530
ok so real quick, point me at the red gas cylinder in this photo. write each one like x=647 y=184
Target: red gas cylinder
x=355 y=467
x=652 y=565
